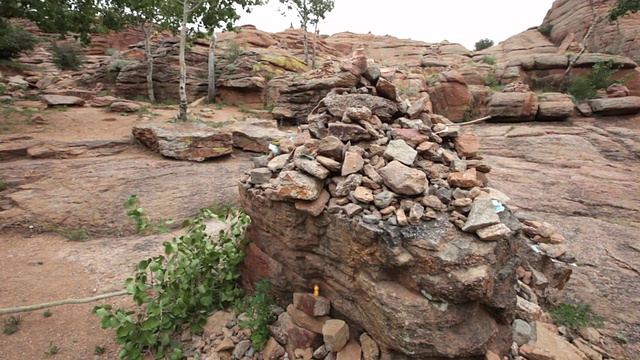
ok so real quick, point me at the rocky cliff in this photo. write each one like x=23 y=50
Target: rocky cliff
x=572 y=19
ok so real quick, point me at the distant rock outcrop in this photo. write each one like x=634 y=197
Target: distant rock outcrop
x=571 y=19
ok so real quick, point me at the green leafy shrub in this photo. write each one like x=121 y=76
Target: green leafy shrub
x=14 y=40
x=601 y=77
x=144 y=224
x=260 y=315
x=483 y=44
x=118 y=64
x=234 y=50
x=12 y=325
x=3 y=89
x=545 y=30
x=493 y=82
x=196 y=275
x=622 y=7
x=575 y=317
x=488 y=59
x=67 y=56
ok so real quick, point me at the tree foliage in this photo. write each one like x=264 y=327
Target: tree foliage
x=196 y=275
x=81 y=17
x=622 y=7
x=483 y=44
x=309 y=12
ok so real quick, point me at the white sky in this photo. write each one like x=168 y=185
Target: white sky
x=458 y=21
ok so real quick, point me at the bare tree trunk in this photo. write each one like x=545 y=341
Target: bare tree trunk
x=147 y=48
x=211 y=89
x=305 y=42
x=567 y=73
x=315 y=35
x=182 y=116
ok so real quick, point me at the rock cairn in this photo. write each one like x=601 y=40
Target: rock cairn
x=385 y=205
x=384 y=163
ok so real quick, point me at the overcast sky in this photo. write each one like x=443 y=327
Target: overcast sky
x=460 y=21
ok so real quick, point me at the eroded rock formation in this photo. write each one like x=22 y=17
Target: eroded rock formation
x=571 y=19
x=382 y=205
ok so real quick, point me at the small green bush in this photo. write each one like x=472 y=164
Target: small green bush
x=118 y=64
x=67 y=56
x=483 y=44
x=114 y=69
x=586 y=86
x=109 y=51
x=488 y=59
x=12 y=325
x=3 y=89
x=14 y=40
x=234 y=50
x=575 y=317
x=493 y=82
x=260 y=315
x=545 y=30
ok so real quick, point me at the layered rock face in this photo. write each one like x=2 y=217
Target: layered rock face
x=572 y=18
x=383 y=205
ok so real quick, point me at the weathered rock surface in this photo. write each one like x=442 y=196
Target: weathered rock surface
x=55 y=193
x=584 y=193
x=184 y=141
x=12 y=148
x=554 y=107
x=574 y=17
x=616 y=106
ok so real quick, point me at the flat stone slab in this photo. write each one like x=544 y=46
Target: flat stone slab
x=23 y=147
x=627 y=105
x=184 y=141
x=256 y=135
x=62 y=100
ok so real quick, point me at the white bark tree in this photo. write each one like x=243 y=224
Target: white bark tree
x=309 y=11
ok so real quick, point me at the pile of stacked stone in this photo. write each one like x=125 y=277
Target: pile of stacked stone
x=222 y=338
x=384 y=162
x=303 y=331
x=386 y=200
x=306 y=331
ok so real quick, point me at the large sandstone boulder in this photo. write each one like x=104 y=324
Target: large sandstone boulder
x=61 y=100
x=451 y=96
x=554 y=106
x=616 y=106
x=184 y=141
x=435 y=306
x=513 y=106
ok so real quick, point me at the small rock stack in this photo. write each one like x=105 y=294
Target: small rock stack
x=305 y=331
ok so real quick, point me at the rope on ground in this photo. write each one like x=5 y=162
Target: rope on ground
x=61 y=302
